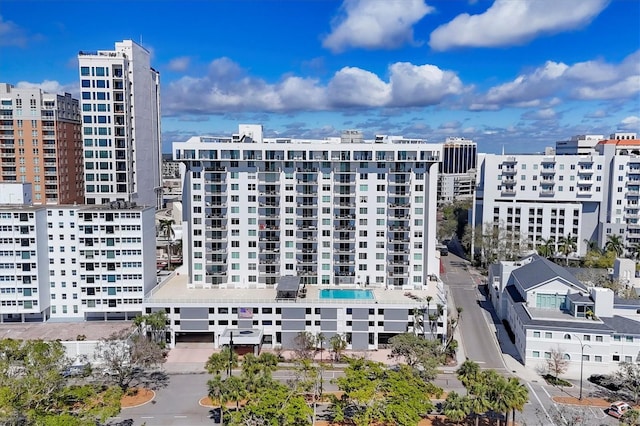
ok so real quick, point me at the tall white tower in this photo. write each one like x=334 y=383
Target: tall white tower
x=120 y=100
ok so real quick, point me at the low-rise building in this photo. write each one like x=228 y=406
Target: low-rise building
x=548 y=309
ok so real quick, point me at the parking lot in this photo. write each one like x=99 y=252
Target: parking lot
x=91 y=330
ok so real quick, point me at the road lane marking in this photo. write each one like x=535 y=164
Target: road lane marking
x=146 y=417
x=540 y=402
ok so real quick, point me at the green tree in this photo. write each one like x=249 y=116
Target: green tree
x=423 y=355
x=362 y=397
x=34 y=391
x=615 y=244
x=456 y=407
x=546 y=248
x=567 y=245
x=519 y=396
x=166 y=229
x=337 y=344
x=592 y=245
x=468 y=372
x=219 y=361
x=217 y=393
x=405 y=397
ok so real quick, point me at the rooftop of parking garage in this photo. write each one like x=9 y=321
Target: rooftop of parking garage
x=175 y=290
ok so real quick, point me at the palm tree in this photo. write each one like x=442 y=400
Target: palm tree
x=338 y=344
x=468 y=372
x=217 y=393
x=320 y=339
x=166 y=228
x=547 y=248
x=456 y=407
x=519 y=397
x=615 y=244
x=501 y=399
x=567 y=245
x=592 y=245
x=235 y=389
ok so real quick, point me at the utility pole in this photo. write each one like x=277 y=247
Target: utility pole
x=230 y=352
x=582 y=346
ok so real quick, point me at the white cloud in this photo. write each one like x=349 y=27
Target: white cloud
x=180 y=64
x=228 y=88
x=548 y=84
x=375 y=24
x=421 y=84
x=11 y=34
x=357 y=87
x=631 y=123
x=50 y=86
x=544 y=114
x=512 y=22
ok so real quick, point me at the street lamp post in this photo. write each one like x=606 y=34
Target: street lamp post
x=582 y=346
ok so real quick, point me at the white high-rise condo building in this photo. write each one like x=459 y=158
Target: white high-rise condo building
x=120 y=97
x=338 y=211
x=541 y=197
x=70 y=262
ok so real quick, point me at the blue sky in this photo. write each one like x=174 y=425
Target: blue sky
x=518 y=74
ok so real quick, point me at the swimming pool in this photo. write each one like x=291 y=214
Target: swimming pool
x=345 y=293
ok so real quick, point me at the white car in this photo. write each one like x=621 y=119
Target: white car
x=618 y=408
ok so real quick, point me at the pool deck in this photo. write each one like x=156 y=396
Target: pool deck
x=175 y=291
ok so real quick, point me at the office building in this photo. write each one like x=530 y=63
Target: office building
x=41 y=144
x=120 y=97
x=578 y=145
x=457 y=178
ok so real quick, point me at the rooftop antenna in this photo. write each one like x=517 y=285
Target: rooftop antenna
x=140 y=39
x=502 y=149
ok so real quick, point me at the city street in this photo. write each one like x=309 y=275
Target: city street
x=478 y=340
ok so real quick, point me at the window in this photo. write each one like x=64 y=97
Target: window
x=598 y=358
x=598 y=338
x=536 y=334
x=567 y=337
x=536 y=354
x=548 y=335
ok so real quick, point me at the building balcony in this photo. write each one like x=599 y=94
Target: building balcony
x=508 y=191
x=508 y=171
x=547 y=192
x=270 y=248
x=509 y=179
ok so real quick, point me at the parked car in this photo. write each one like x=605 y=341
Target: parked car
x=76 y=370
x=617 y=409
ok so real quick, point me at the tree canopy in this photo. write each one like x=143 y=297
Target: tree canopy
x=33 y=389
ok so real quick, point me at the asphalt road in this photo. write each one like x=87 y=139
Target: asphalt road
x=478 y=338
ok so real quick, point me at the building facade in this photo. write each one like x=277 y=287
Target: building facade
x=548 y=309
x=334 y=211
x=457 y=178
x=71 y=263
x=543 y=197
x=120 y=97
x=42 y=144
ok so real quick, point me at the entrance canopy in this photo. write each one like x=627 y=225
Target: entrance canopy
x=241 y=336
x=288 y=287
